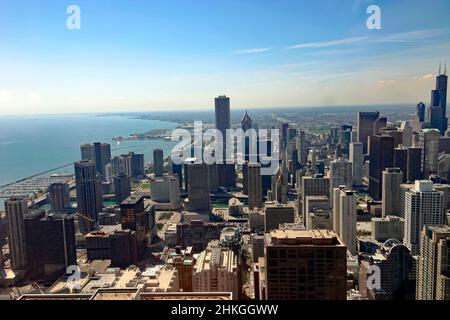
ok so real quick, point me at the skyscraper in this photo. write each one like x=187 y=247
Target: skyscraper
x=16 y=209
x=59 y=197
x=429 y=143
x=89 y=195
x=344 y=217
x=356 y=158
x=392 y=179
x=397 y=273
x=158 y=162
x=305 y=265
x=414 y=164
x=198 y=190
x=423 y=206
x=365 y=123
x=433 y=271
x=340 y=174
x=276 y=213
x=420 y=111
x=313 y=186
x=301 y=148
x=227 y=175
x=401 y=160
x=98 y=152
x=381 y=156
x=438 y=108
x=122 y=187
x=254 y=186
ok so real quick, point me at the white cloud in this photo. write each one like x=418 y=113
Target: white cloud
x=252 y=50
x=325 y=44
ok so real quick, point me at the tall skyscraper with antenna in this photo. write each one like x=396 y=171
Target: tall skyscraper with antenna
x=437 y=113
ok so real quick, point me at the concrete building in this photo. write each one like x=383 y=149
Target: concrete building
x=313 y=186
x=356 y=158
x=340 y=175
x=318 y=211
x=389 y=227
x=344 y=217
x=423 y=206
x=165 y=192
x=16 y=209
x=183 y=261
x=216 y=270
x=276 y=213
x=304 y=265
x=433 y=274
x=301 y=147
x=392 y=179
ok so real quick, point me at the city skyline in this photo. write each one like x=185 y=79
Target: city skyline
x=176 y=55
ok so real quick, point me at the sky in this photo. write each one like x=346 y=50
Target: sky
x=162 y=55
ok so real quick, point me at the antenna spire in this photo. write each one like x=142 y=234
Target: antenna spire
x=440 y=67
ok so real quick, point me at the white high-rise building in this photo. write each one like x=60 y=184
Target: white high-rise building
x=423 y=206
x=344 y=217
x=392 y=179
x=356 y=157
x=16 y=209
x=340 y=175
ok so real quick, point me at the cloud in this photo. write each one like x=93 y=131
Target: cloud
x=412 y=36
x=428 y=76
x=386 y=83
x=416 y=36
x=252 y=50
x=325 y=44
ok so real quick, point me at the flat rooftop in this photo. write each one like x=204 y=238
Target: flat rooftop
x=304 y=237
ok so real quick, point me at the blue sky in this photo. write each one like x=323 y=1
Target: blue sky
x=138 y=55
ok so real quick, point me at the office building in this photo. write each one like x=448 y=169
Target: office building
x=122 y=187
x=414 y=164
x=389 y=227
x=401 y=161
x=340 y=174
x=59 y=197
x=437 y=113
x=397 y=273
x=254 y=186
x=423 y=206
x=135 y=213
x=392 y=179
x=429 y=143
x=216 y=270
x=356 y=158
x=365 y=124
x=276 y=213
x=198 y=188
x=89 y=195
x=381 y=156
x=158 y=162
x=344 y=217
x=16 y=209
x=433 y=273
x=305 y=265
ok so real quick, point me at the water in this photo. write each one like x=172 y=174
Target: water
x=34 y=144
